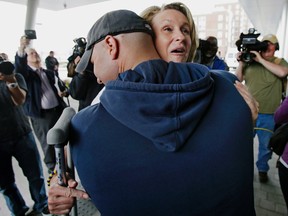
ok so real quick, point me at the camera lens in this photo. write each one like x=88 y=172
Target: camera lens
x=6 y=67
x=247 y=57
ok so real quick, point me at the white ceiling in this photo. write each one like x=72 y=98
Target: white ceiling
x=264 y=14
x=57 y=5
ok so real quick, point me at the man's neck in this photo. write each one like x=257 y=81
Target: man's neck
x=34 y=65
x=131 y=63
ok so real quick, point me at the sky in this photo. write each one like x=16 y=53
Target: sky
x=57 y=29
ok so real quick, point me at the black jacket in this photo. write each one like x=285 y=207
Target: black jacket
x=84 y=87
x=32 y=105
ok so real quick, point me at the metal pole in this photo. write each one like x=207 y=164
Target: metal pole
x=31 y=12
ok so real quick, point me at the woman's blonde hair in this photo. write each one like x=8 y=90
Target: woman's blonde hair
x=149 y=13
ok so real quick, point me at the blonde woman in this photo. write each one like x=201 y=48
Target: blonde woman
x=176 y=39
x=175 y=35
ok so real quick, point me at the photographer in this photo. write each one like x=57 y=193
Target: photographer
x=206 y=54
x=83 y=86
x=44 y=103
x=3 y=57
x=263 y=74
x=17 y=140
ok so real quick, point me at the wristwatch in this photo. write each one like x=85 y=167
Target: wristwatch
x=12 y=85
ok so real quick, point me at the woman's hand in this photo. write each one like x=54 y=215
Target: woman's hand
x=250 y=100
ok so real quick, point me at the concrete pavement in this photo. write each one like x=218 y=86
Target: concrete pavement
x=268 y=197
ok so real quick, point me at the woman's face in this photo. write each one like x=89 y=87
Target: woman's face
x=172 y=35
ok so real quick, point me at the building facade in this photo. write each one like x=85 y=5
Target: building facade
x=226 y=23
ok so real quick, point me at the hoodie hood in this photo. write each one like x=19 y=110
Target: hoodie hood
x=163 y=102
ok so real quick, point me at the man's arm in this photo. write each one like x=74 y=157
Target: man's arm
x=274 y=68
x=21 y=57
x=18 y=95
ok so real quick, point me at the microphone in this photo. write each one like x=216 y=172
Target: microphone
x=59 y=133
x=58 y=136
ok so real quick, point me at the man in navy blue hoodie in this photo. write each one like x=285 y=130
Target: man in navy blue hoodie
x=166 y=138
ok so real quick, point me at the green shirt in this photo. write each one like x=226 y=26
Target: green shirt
x=264 y=85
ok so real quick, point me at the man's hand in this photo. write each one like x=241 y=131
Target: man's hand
x=24 y=41
x=257 y=56
x=61 y=199
x=63 y=94
x=2 y=76
x=8 y=78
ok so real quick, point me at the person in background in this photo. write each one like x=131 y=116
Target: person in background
x=51 y=62
x=281 y=117
x=83 y=86
x=144 y=91
x=207 y=54
x=4 y=57
x=17 y=140
x=44 y=103
x=53 y=65
x=263 y=76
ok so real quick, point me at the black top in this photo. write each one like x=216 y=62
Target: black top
x=13 y=121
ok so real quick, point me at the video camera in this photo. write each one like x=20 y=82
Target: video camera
x=203 y=45
x=30 y=34
x=206 y=50
x=78 y=50
x=248 y=42
x=6 y=67
x=80 y=45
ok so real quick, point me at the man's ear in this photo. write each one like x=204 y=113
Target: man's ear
x=112 y=46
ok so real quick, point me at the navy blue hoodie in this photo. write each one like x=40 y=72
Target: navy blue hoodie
x=167 y=139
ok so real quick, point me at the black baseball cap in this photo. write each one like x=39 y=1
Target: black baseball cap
x=112 y=23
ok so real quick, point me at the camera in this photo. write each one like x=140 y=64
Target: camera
x=80 y=45
x=78 y=50
x=30 y=34
x=248 y=42
x=206 y=50
x=204 y=45
x=6 y=67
